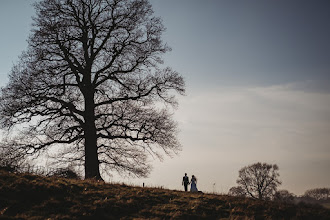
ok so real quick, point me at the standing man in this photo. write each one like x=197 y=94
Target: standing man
x=185 y=182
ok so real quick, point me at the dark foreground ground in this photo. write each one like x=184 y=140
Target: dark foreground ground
x=26 y=196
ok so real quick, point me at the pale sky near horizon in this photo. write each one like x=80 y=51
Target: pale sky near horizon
x=258 y=87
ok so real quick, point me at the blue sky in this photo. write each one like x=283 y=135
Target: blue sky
x=258 y=87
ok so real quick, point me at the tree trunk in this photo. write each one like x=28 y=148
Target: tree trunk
x=91 y=155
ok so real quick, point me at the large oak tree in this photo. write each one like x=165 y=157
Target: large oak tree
x=90 y=82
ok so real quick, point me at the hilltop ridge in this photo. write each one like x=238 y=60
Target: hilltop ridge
x=27 y=196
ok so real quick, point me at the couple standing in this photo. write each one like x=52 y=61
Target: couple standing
x=185 y=183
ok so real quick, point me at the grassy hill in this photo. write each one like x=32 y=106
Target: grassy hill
x=27 y=196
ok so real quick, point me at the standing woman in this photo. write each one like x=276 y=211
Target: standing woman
x=193 y=187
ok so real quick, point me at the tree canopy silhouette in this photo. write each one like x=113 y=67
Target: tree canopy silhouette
x=318 y=193
x=259 y=181
x=90 y=83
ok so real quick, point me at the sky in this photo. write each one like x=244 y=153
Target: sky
x=257 y=87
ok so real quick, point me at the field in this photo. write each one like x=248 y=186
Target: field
x=27 y=196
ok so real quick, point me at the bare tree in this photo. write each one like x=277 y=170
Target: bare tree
x=90 y=85
x=259 y=180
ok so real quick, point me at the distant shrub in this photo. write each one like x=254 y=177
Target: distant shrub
x=10 y=159
x=284 y=196
x=7 y=168
x=237 y=191
x=65 y=173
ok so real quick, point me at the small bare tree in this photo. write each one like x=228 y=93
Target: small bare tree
x=259 y=180
x=90 y=85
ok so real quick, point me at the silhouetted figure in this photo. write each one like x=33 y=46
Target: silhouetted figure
x=185 y=182
x=193 y=187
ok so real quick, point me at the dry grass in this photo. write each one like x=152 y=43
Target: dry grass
x=26 y=196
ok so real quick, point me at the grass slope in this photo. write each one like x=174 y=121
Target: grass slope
x=26 y=196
